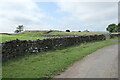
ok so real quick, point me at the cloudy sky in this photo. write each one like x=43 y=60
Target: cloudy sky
x=56 y=15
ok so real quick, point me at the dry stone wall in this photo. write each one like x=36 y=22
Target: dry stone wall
x=14 y=48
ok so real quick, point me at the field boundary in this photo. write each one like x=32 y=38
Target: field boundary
x=14 y=48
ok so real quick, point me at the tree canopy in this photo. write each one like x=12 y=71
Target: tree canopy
x=19 y=29
x=67 y=30
x=113 y=28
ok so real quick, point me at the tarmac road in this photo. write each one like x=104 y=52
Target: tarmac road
x=101 y=64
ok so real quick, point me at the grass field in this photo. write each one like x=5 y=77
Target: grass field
x=32 y=35
x=13 y=37
x=48 y=64
x=26 y=35
x=55 y=32
x=76 y=33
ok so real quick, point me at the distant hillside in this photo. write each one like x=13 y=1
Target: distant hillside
x=75 y=33
x=32 y=33
x=35 y=33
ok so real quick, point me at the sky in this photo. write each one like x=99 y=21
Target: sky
x=57 y=15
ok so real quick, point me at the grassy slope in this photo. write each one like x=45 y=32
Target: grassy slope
x=46 y=64
x=32 y=35
x=76 y=33
x=13 y=37
x=27 y=35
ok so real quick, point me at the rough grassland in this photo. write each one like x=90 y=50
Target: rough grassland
x=13 y=37
x=32 y=35
x=76 y=33
x=26 y=35
x=48 y=64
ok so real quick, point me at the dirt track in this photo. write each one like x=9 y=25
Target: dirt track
x=101 y=64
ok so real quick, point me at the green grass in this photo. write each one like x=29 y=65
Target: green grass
x=76 y=33
x=26 y=35
x=4 y=38
x=48 y=64
x=32 y=35
x=55 y=32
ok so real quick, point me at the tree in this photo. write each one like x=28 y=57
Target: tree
x=112 y=28
x=119 y=24
x=117 y=28
x=19 y=29
x=16 y=31
x=67 y=30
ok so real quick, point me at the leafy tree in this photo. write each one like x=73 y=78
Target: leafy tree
x=19 y=29
x=119 y=24
x=111 y=28
x=16 y=31
x=67 y=30
x=117 y=29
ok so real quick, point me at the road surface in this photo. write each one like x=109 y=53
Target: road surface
x=101 y=64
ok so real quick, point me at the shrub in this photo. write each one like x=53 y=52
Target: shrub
x=67 y=30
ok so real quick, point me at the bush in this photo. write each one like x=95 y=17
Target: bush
x=67 y=30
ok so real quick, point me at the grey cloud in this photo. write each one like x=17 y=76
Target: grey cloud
x=13 y=13
x=90 y=13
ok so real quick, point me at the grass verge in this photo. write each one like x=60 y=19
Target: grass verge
x=48 y=64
